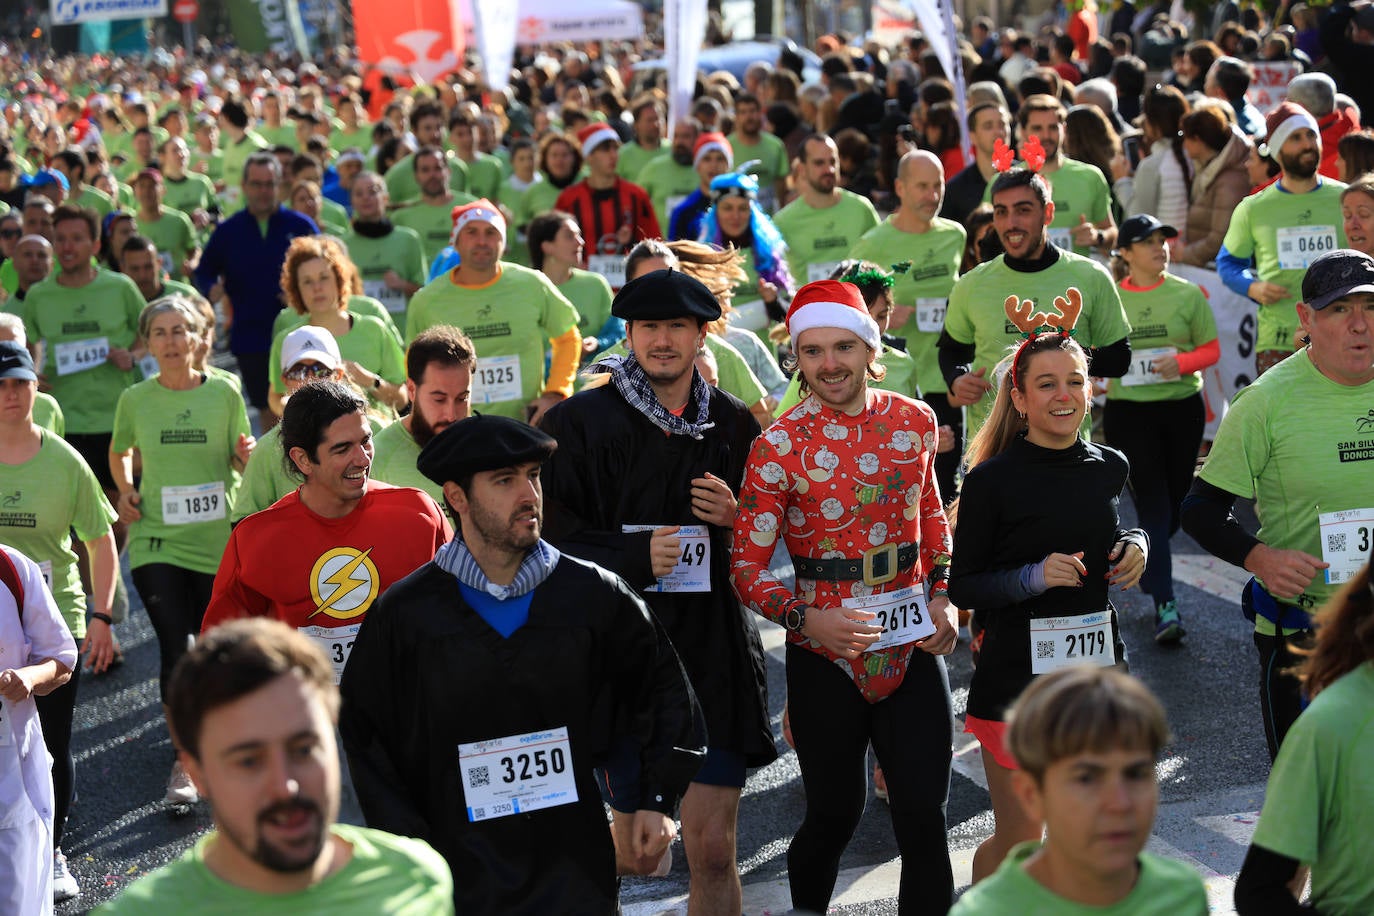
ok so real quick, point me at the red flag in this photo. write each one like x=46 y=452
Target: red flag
x=423 y=38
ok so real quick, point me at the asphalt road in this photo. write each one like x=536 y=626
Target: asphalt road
x=1212 y=775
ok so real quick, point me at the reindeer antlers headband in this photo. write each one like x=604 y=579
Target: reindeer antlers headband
x=1021 y=312
x=1003 y=158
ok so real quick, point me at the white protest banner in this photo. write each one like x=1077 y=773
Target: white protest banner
x=494 y=22
x=1270 y=85
x=684 y=29
x=937 y=24
x=1235 y=317
x=68 y=12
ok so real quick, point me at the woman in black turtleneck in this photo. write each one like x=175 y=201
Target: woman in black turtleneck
x=1037 y=542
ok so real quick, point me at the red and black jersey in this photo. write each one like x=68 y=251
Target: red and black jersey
x=601 y=213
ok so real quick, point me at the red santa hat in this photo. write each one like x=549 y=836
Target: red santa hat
x=478 y=211
x=713 y=140
x=1286 y=118
x=595 y=134
x=831 y=304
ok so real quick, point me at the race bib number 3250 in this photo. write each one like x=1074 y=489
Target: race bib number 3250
x=517 y=774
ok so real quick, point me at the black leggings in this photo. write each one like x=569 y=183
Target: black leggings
x=1160 y=439
x=1280 y=691
x=55 y=712
x=911 y=732
x=176 y=599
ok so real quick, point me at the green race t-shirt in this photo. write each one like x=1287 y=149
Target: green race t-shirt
x=773 y=163
x=1320 y=792
x=389 y=874
x=667 y=184
x=369 y=344
x=187 y=439
x=288 y=320
x=401 y=185
x=394 y=461
x=590 y=294
x=484 y=176
x=399 y=250
x=192 y=192
x=1164 y=888
x=539 y=198
x=174 y=235
x=977 y=314
x=1173 y=313
x=433 y=223
x=210 y=164
x=96 y=199
x=634 y=157
x=79 y=325
x=333 y=219
x=818 y=240
x=265 y=479
x=47 y=413
x=41 y=501
x=1285 y=232
x=1299 y=445
x=510 y=321
x=934 y=256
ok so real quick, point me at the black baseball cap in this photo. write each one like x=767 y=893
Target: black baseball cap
x=1139 y=228
x=1337 y=274
x=15 y=362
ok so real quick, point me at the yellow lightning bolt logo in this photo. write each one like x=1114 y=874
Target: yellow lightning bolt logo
x=344 y=583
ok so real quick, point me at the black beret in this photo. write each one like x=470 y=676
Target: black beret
x=663 y=294
x=481 y=443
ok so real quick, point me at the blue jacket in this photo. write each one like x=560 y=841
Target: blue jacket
x=249 y=265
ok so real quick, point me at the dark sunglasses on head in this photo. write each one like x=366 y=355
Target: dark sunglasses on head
x=301 y=372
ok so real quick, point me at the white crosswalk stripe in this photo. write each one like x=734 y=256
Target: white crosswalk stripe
x=1221 y=838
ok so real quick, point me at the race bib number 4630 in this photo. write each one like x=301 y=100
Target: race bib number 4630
x=517 y=774
x=80 y=355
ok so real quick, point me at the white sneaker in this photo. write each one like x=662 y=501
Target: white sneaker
x=181 y=792
x=64 y=886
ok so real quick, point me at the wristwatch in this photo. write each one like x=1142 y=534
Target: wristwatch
x=795 y=619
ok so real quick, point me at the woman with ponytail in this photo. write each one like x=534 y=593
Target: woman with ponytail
x=1037 y=542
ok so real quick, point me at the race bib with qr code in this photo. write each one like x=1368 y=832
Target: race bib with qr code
x=1142 y=370
x=902 y=615
x=1299 y=246
x=1083 y=639
x=336 y=643
x=201 y=502
x=820 y=271
x=1061 y=238
x=693 y=570
x=517 y=774
x=1346 y=536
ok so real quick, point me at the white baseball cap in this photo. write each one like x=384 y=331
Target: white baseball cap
x=309 y=342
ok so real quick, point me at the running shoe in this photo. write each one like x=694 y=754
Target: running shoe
x=1168 y=623
x=181 y=792
x=64 y=886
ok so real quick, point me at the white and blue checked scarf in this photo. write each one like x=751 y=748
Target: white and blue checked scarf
x=455 y=558
x=629 y=378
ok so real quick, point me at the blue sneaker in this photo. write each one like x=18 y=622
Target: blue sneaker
x=1168 y=623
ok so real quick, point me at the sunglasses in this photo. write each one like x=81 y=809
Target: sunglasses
x=301 y=373
x=10 y=233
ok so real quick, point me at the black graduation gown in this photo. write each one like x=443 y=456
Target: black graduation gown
x=613 y=467
x=427 y=674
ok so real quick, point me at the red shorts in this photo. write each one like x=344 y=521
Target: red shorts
x=992 y=735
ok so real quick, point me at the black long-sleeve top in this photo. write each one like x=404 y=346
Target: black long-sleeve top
x=1016 y=509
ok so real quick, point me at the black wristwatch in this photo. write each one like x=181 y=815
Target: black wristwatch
x=795 y=619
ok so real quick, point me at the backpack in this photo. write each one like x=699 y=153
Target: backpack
x=9 y=575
